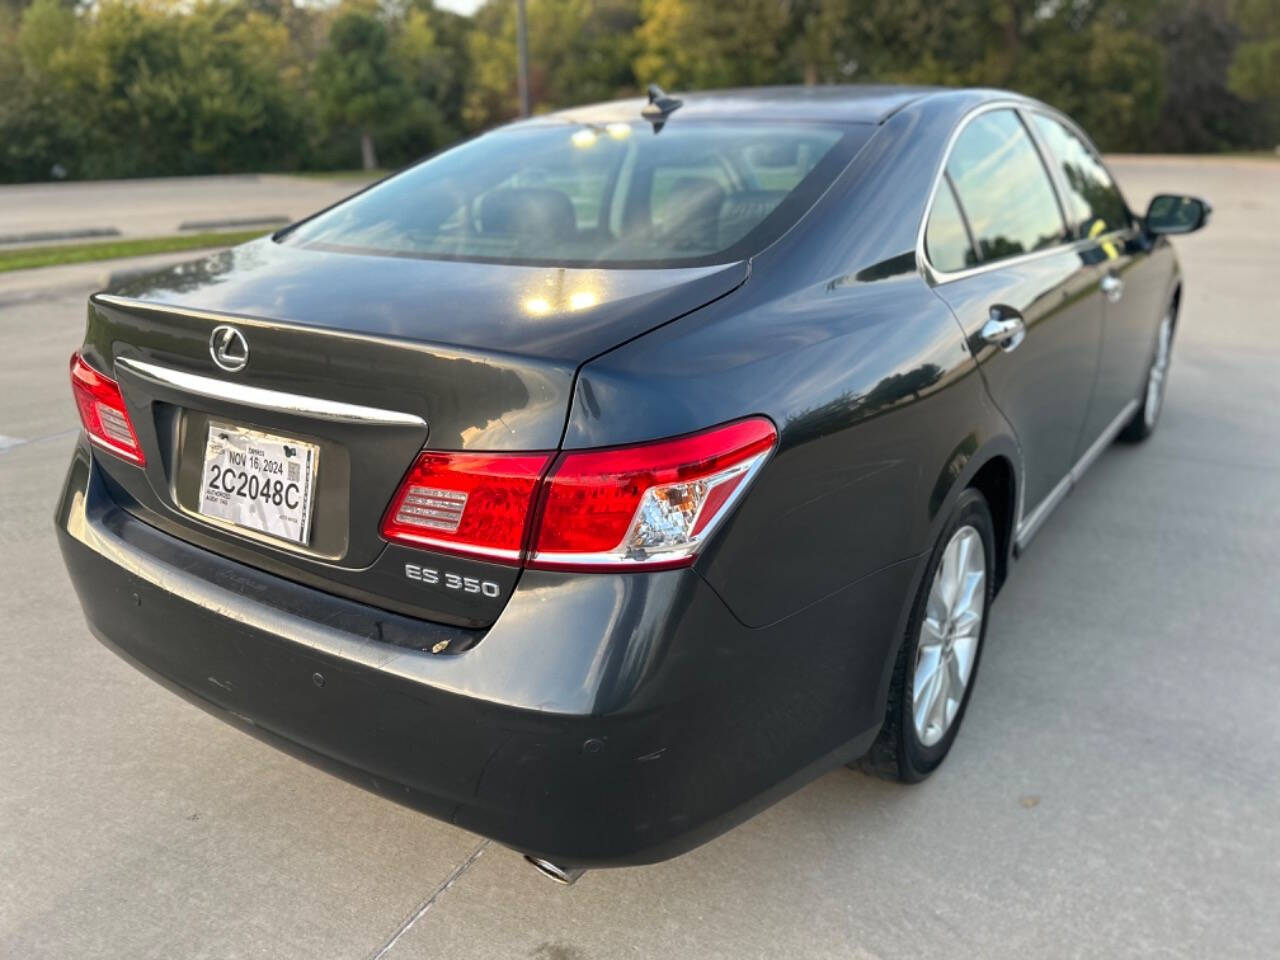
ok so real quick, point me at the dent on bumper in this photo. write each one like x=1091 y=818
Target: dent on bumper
x=602 y=720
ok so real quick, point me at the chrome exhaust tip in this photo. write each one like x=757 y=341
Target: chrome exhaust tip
x=562 y=875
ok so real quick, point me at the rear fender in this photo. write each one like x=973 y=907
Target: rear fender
x=957 y=476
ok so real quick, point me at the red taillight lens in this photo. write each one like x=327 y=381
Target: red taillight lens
x=471 y=503
x=647 y=506
x=103 y=413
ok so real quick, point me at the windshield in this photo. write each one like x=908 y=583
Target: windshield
x=600 y=195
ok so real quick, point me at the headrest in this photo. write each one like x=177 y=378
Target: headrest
x=743 y=211
x=528 y=212
x=690 y=212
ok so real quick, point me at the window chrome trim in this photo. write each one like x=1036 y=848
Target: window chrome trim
x=936 y=277
x=1047 y=111
x=274 y=400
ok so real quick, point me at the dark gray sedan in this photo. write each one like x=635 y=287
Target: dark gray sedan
x=596 y=482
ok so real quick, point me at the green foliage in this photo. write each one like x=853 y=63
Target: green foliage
x=144 y=87
x=580 y=51
x=357 y=80
x=139 y=90
x=691 y=45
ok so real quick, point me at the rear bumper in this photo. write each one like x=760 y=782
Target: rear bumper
x=603 y=720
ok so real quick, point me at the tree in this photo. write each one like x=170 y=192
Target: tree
x=1254 y=74
x=692 y=44
x=580 y=52
x=109 y=88
x=356 y=77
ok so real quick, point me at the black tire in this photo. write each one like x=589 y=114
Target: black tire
x=1144 y=425
x=898 y=753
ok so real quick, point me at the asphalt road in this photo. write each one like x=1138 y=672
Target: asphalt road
x=1115 y=791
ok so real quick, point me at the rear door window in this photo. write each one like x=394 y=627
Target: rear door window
x=1004 y=188
x=1095 y=203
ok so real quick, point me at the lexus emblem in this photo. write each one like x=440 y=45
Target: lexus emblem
x=228 y=347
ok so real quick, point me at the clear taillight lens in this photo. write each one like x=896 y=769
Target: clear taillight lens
x=471 y=503
x=103 y=413
x=647 y=506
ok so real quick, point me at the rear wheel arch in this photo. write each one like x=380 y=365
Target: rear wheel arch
x=996 y=479
x=991 y=469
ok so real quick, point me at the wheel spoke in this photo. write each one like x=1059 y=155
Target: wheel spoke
x=957 y=676
x=925 y=702
x=938 y=712
x=1159 y=369
x=947 y=578
x=968 y=607
x=964 y=548
x=927 y=665
x=936 y=607
x=962 y=653
x=967 y=625
x=949 y=634
x=931 y=634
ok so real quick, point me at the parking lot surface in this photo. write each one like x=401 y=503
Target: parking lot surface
x=163 y=205
x=1115 y=791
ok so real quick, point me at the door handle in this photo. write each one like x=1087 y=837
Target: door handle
x=1004 y=330
x=1113 y=287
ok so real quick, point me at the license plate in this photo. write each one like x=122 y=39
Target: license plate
x=259 y=481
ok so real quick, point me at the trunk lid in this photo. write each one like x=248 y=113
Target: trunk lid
x=369 y=360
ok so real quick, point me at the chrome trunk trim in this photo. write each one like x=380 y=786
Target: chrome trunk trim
x=265 y=399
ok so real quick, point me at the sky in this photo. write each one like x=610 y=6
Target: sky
x=459 y=6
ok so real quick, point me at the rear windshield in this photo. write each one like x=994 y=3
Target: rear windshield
x=616 y=194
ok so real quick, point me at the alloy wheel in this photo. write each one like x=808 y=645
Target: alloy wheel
x=1159 y=371
x=949 y=635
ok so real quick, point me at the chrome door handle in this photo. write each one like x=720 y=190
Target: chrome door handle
x=1003 y=331
x=1113 y=287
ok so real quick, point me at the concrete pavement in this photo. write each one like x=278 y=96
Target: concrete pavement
x=1115 y=791
x=165 y=205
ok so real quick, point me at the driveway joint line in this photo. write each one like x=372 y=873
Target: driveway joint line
x=428 y=903
x=8 y=444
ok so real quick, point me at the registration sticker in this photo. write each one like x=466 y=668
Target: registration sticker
x=259 y=481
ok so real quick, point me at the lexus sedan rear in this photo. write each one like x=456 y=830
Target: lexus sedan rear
x=598 y=481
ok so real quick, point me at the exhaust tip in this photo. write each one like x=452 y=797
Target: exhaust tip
x=566 y=876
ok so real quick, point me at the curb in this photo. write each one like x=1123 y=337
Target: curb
x=267 y=221
x=44 y=236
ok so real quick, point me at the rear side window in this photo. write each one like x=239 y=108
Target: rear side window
x=946 y=239
x=1096 y=206
x=1004 y=188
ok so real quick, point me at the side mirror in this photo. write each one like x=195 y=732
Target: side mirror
x=1169 y=213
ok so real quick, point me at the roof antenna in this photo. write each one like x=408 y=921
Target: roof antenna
x=659 y=107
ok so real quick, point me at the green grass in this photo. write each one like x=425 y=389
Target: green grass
x=25 y=258
x=365 y=175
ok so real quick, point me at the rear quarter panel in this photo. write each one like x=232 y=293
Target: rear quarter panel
x=879 y=408
x=836 y=337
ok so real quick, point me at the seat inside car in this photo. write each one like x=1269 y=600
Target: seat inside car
x=742 y=211
x=528 y=212
x=688 y=216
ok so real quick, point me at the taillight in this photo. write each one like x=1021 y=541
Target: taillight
x=103 y=413
x=647 y=506
x=471 y=503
